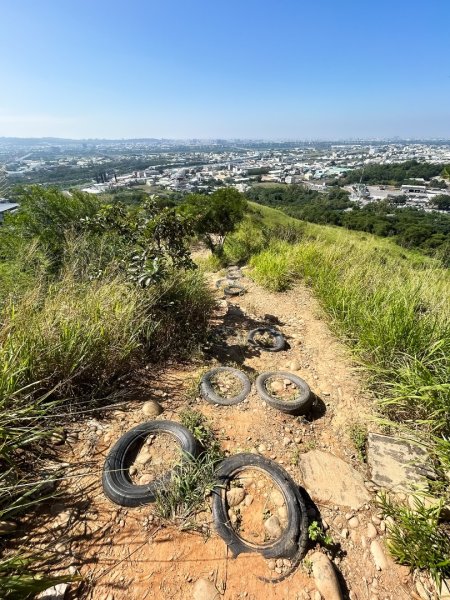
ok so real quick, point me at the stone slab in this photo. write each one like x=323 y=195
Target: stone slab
x=331 y=480
x=397 y=464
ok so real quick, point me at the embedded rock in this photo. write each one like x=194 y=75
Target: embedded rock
x=379 y=557
x=151 y=408
x=331 y=480
x=235 y=496
x=325 y=577
x=397 y=464
x=371 y=531
x=56 y=592
x=204 y=590
x=273 y=527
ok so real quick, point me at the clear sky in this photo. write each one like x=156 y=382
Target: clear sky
x=285 y=69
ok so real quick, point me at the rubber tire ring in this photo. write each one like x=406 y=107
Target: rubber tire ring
x=221 y=282
x=294 y=538
x=299 y=406
x=280 y=341
x=207 y=390
x=116 y=480
x=234 y=290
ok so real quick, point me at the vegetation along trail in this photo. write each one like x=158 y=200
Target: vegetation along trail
x=366 y=325
x=128 y=553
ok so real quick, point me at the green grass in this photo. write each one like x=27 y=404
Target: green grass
x=193 y=480
x=416 y=537
x=395 y=313
x=358 y=435
x=393 y=308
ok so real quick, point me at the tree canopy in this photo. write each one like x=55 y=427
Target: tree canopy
x=214 y=216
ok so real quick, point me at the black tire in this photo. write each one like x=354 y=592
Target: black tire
x=299 y=406
x=234 y=289
x=116 y=480
x=221 y=282
x=278 y=339
x=294 y=538
x=207 y=391
x=234 y=274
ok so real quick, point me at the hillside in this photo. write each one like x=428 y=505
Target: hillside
x=97 y=338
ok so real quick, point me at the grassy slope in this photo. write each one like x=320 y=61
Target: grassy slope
x=393 y=307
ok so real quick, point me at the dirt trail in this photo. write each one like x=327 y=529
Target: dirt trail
x=126 y=554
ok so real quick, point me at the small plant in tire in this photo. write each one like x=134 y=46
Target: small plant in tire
x=117 y=482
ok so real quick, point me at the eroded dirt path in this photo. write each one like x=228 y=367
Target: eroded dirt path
x=127 y=554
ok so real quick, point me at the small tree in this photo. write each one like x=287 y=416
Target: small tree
x=214 y=217
x=154 y=239
x=441 y=202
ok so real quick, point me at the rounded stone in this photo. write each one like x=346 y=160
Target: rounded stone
x=325 y=577
x=204 y=590
x=273 y=527
x=353 y=522
x=277 y=498
x=235 y=496
x=379 y=558
x=145 y=479
x=151 y=408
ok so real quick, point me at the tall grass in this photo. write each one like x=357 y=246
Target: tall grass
x=393 y=308
x=75 y=335
x=396 y=316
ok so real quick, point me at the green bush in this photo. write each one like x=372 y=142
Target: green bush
x=247 y=240
x=74 y=317
x=46 y=215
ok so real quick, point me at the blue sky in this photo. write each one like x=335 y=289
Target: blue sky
x=291 y=69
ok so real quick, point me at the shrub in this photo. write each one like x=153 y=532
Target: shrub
x=247 y=240
x=215 y=216
x=46 y=215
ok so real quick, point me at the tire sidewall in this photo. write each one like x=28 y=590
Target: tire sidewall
x=207 y=391
x=302 y=402
x=288 y=544
x=279 y=339
x=117 y=484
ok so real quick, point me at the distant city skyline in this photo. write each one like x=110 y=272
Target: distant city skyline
x=241 y=70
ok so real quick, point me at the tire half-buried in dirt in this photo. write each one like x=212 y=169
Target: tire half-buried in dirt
x=294 y=538
x=208 y=393
x=234 y=289
x=299 y=405
x=117 y=483
x=278 y=339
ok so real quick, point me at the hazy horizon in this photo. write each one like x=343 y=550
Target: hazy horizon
x=245 y=71
x=393 y=139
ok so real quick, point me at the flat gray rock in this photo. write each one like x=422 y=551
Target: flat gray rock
x=331 y=480
x=396 y=464
x=56 y=592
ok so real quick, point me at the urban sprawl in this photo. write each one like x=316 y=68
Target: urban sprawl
x=206 y=166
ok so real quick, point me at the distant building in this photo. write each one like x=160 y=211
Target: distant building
x=414 y=189
x=7 y=207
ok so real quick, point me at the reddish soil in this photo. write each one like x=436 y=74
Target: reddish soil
x=158 y=454
x=126 y=554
